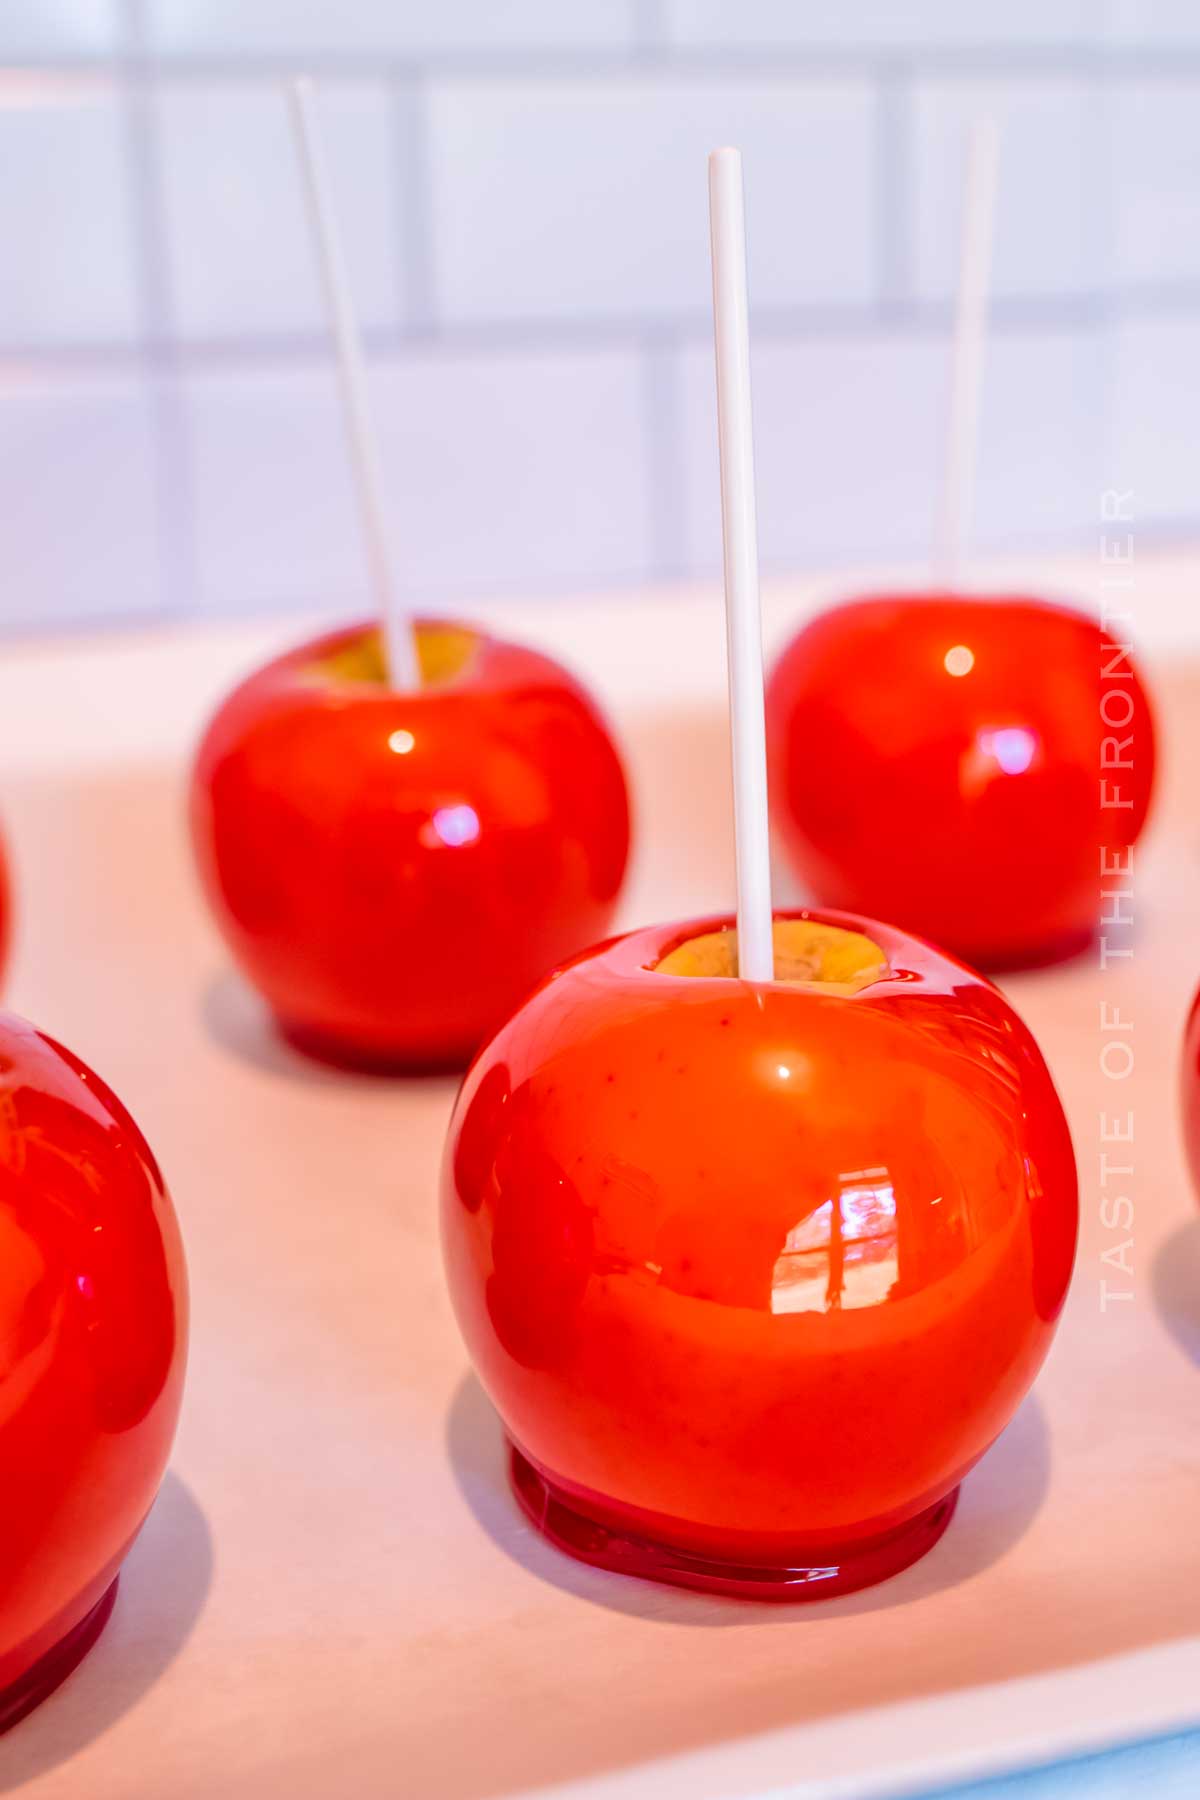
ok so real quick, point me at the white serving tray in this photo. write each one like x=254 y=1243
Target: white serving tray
x=335 y=1593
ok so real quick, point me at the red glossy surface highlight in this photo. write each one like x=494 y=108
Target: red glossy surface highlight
x=938 y=761
x=1190 y=1092
x=93 y=1331
x=754 y=1274
x=394 y=871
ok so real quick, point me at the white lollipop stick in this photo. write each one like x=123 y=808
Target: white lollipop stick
x=962 y=431
x=400 y=653
x=731 y=326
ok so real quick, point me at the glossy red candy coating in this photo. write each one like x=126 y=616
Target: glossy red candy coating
x=394 y=871
x=1190 y=1091
x=93 y=1334
x=754 y=1274
x=964 y=806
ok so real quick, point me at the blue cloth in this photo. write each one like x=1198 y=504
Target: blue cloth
x=1167 y=1768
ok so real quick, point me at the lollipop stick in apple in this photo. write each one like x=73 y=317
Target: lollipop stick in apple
x=933 y=755
x=746 y=1324
x=731 y=330
x=399 y=645
x=396 y=846
x=966 y=370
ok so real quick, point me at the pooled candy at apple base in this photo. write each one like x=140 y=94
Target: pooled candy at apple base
x=968 y=768
x=755 y=1273
x=93 y=1336
x=394 y=870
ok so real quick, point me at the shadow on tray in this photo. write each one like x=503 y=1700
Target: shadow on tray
x=163 y=1588
x=1176 y=1280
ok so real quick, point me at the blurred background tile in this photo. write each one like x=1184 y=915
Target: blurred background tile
x=1049 y=201
x=78 y=528
x=1151 y=23
x=1155 y=161
x=505 y=472
x=848 y=434
x=1042 y=417
x=59 y=27
x=523 y=199
x=523 y=232
x=304 y=27
x=240 y=258
x=273 y=522
x=1152 y=440
x=873 y=24
x=514 y=471
x=69 y=273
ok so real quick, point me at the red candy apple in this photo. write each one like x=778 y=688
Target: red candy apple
x=755 y=1272
x=966 y=768
x=394 y=870
x=93 y=1332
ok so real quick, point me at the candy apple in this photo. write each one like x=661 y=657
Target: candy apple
x=394 y=870
x=968 y=768
x=93 y=1332
x=755 y=1273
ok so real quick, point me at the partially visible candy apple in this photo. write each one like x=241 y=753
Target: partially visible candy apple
x=93 y=1337
x=393 y=871
x=967 y=768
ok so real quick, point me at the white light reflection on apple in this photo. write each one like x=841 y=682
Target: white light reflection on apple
x=1012 y=746
x=456 y=825
x=401 y=742
x=958 y=660
x=997 y=750
x=844 y=1255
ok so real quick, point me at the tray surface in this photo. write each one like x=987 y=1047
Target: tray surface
x=336 y=1592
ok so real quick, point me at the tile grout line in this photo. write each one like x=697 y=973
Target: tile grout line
x=804 y=322
x=1084 y=62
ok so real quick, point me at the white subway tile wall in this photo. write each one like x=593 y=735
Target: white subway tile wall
x=69 y=268
x=293 y=28
x=578 y=200
x=1156 y=380
x=79 y=532
x=522 y=194
x=874 y=24
x=238 y=254
x=848 y=430
x=498 y=467
x=1156 y=147
x=1049 y=201
x=61 y=27
x=1043 y=463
